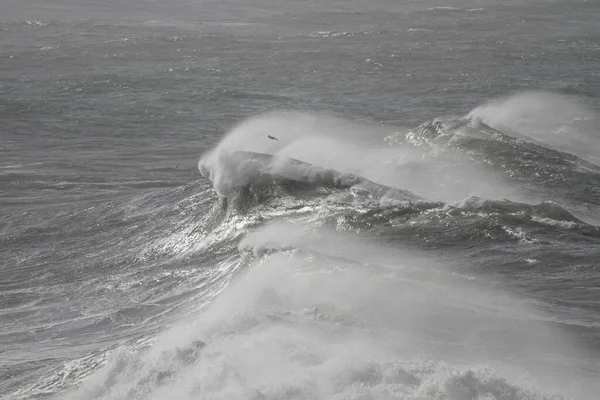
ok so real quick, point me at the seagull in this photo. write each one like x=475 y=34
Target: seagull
x=272 y=137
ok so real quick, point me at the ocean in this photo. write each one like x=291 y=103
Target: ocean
x=270 y=199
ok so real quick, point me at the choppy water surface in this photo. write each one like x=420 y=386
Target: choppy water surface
x=425 y=224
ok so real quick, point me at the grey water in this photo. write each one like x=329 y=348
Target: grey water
x=425 y=224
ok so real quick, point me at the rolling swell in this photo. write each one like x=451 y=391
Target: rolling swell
x=247 y=179
x=353 y=278
x=258 y=178
x=369 y=256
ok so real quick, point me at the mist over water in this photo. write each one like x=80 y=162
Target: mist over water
x=314 y=200
x=342 y=317
x=420 y=162
x=560 y=122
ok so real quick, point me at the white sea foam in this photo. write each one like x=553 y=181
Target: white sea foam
x=555 y=120
x=322 y=322
x=434 y=172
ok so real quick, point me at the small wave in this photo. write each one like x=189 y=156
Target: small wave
x=12 y=166
x=46 y=48
x=546 y=210
x=519 y=234
x=334 y=34
x=33 y=23
x=444 y=8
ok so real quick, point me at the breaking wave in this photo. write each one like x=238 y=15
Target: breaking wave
x=345 y=273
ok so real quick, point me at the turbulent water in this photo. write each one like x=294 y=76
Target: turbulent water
x=423 y=223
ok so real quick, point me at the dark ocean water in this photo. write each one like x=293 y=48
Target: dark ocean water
x=425 y=223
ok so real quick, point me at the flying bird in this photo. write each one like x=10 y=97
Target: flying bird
x=272 y=137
